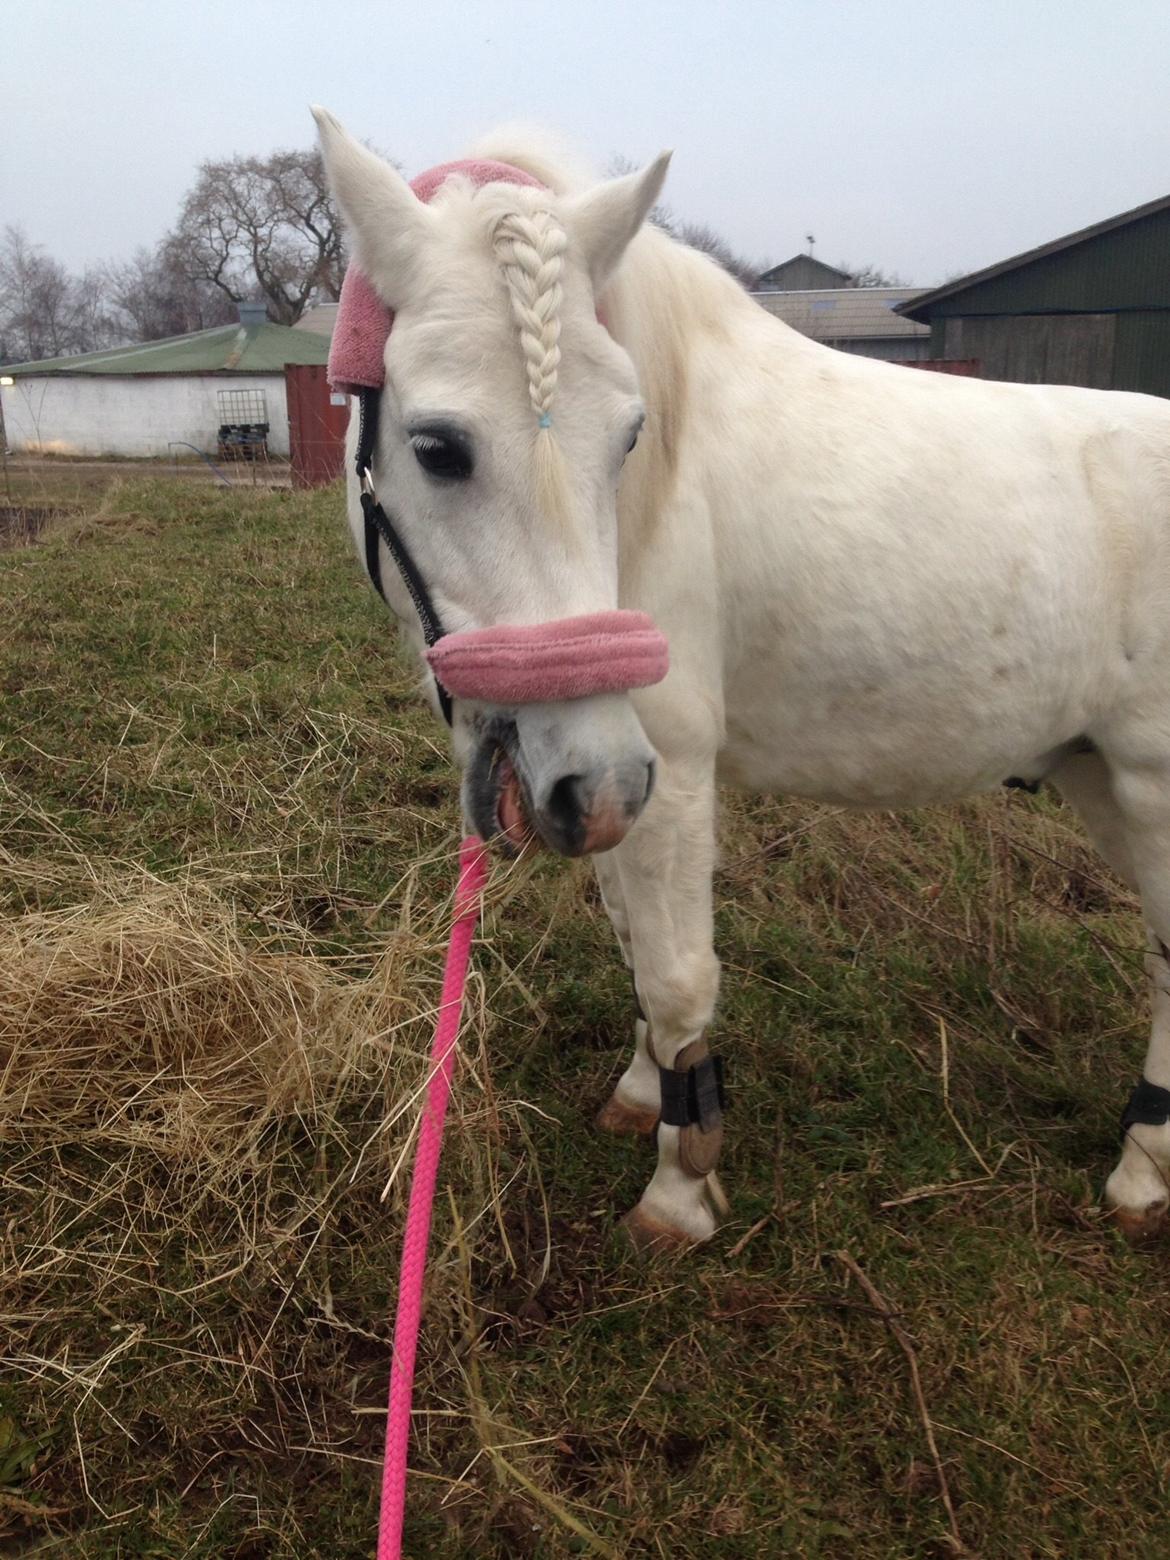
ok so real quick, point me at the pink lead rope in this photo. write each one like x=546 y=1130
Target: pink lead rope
x=472 y=875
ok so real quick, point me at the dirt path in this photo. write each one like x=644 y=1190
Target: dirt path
x=32 y=481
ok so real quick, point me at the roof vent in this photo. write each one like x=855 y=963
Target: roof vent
x=253 y=314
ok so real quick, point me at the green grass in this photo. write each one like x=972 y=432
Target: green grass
x=211 y=752
x=47 y=484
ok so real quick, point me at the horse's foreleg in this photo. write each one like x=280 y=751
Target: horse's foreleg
x=664 y=868
x=634 y=1104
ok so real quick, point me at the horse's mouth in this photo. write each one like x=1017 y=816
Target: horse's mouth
x=514 y=827
x=495 y=794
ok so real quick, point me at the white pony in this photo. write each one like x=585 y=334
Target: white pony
x=880 y=588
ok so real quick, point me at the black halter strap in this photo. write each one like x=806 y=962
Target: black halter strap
x=379 y=525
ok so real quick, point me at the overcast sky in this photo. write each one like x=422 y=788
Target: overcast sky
x=927 y=138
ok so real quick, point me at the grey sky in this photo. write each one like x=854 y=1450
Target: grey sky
x=928 y=138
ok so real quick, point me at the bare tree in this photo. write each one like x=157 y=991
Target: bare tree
x=871 y=276
x=45 y=312
x=93 y=323
x=696 y=235
x=704 y=238
x=152 y=296
x=249 y=227
x=262 y=225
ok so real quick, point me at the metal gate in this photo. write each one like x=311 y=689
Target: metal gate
x=317 y=420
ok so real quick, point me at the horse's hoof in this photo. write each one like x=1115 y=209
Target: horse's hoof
x=650 y=1235
x=1140 y=1226
x=652 y=1230
x=616 y=1116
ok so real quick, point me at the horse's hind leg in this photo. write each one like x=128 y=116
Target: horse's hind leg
x=1126 y=810
x=634 y=1104
x=1086 y=784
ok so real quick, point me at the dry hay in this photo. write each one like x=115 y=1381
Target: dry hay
x=198 y=1130
x=149 y=1019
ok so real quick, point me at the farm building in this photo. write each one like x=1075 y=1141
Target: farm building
x=863 y=320
x=142 y=400
x=800 y=274
x=1092 y=308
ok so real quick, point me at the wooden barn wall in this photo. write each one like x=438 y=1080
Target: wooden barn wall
x=1037 y=349
x=1142 y=359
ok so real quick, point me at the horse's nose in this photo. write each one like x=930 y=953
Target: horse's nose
x=583 y=813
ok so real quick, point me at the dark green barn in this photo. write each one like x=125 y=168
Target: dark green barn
x=1089 y=309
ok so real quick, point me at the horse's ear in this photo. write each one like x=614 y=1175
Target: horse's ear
x=388 y=225
x=604 y=219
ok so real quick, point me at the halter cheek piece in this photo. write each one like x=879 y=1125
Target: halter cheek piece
x=379 y=525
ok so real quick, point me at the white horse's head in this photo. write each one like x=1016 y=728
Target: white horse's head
x=506 y=415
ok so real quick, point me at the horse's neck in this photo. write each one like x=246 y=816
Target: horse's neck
x=676 y=313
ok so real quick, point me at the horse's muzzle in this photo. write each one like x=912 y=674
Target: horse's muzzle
x=575 y=807
x=569 y=658
x=583 y=815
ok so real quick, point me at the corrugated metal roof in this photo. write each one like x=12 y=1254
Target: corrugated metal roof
x=845 y=313
x=226 y=349
x=935 y=295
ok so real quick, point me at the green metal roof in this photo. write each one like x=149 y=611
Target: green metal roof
x=226 y=349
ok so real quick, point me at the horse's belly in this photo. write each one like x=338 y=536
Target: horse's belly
x=901 y=736
x=860 y=765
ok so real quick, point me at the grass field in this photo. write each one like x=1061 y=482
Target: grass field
x=37 y=488
x=226 y=833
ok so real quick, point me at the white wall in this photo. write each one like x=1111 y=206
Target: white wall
x=110 y=414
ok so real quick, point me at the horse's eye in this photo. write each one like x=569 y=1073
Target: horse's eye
x=441 y=456
x=635 y=431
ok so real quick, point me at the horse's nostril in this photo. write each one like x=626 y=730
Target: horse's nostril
x=593 y=811
x=566 y=804
x=651 y=775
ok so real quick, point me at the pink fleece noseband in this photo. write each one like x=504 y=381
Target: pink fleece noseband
x=602 y=652
x=570 y=658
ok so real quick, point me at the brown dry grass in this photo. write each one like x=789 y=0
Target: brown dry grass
x=146 y=1020
x=207 y=1132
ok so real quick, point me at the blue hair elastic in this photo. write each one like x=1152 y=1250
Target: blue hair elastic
x=545 y=420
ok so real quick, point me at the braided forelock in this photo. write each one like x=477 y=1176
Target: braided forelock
x=530 y=246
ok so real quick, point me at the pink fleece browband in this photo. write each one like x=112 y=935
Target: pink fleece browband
x=357 y=352
x=602 y=652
